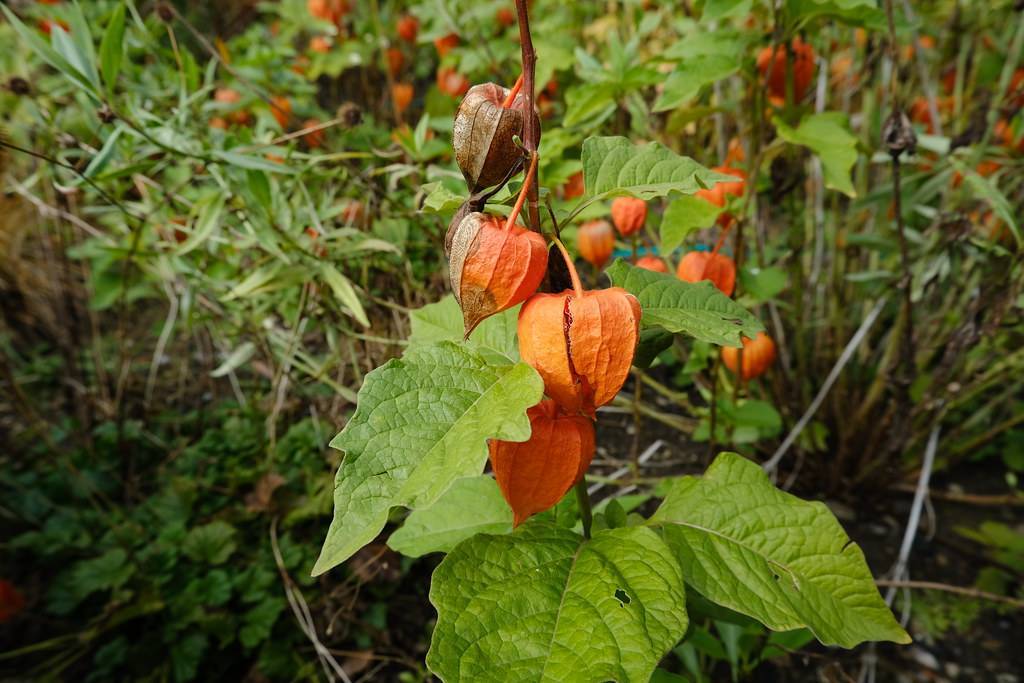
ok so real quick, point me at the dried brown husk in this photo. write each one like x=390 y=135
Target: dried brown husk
x=483 y=135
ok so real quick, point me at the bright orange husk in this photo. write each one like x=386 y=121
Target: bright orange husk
x=629 y=215
x=703 y=265
x=401 y=95
x=493 y=268
x=534 y=475
x=719 y=193
x=652 y=263
x=595 y=242
x=802 y=59
x=758 y=356
x=281 y=108
x=581 y=344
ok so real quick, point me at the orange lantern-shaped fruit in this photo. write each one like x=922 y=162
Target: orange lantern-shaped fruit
x=281 y=108
x=595 y=242
x=534 y=475
x=444 y=44
x=451 y=82
x=773 y=69
x=703 y=265
x=758 y=356
x=581 y=343
x=401 y=94
x=629 y=215
x=407 y=28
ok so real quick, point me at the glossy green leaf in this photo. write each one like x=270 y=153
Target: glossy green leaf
x=691 y=75
x=440 y=199
x=495 y=338
x=471 y=506
x=762 y=552
x=616 y=166
x=695 y=309
x=545 y=605
x=422 y=421
x=827 y=135
x=683 y=216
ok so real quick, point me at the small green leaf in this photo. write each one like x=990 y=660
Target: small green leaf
x=762 y=552
x=259 y=186
x=716 y=10
x=763 y=283
x=615 y=166
x=854 y=12
x=827 y=135
x=45 y=52
x=344 y=292
x=545 y=605
x=471 y=506
x=495 y=338
x=250 y=162
x=691 y=75
x=653 y=340
x=440 y=199
x=685 y=215
x=112 y=47
x=422 y=421
x=103 y=157
x=237 y=358
x=696 y=309
x=589 y=102
x=208 y=221
x=212 y=543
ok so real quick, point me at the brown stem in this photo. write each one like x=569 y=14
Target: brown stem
x=531 y=130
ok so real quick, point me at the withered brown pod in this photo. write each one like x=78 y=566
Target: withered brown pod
x=483 y=135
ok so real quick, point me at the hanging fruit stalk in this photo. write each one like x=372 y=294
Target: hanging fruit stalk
x=581 y=343
x=533 y=475
x=495 y=264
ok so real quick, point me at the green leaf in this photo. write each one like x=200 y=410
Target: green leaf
x=252 y=163
x=238 y=357
x=855 y=12
x=616 y=166
x=344 y=292
x=211 y=543
x=46 y=53
x=685 y=215
x=716 y=10
x=696 y=309
x=701 y=42
x=422 y=421
x=259 y=186
x=786 y=562
x=440 y=199
x=691 y=75
x=471 y=506
x=827 y=135
x=545 y=605
x=208 y=220
x=494 y=339
x=763 y=283
x=589 y=102
x=653 y=340
x=988 y=190
x=112 y=47
x=103 y=157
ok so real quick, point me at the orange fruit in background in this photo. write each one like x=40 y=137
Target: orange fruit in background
x=402 y=94
x=505 y=17
x=320 y=44
x=629 y=215
x=445 y=44
x=758 y=356
x=281 y=108
x=652 y=263
x=697 y=266
x=407 y=28
x=451 y=82
x=314 y=138
x=718 y=193
x=395 y=59
x=773 y=69
x=573 y=186
x=595 y=242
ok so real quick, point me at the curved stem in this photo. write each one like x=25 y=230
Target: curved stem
x=573 y=275
x=512 y=217
x=512 y=93
x=583 y=499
